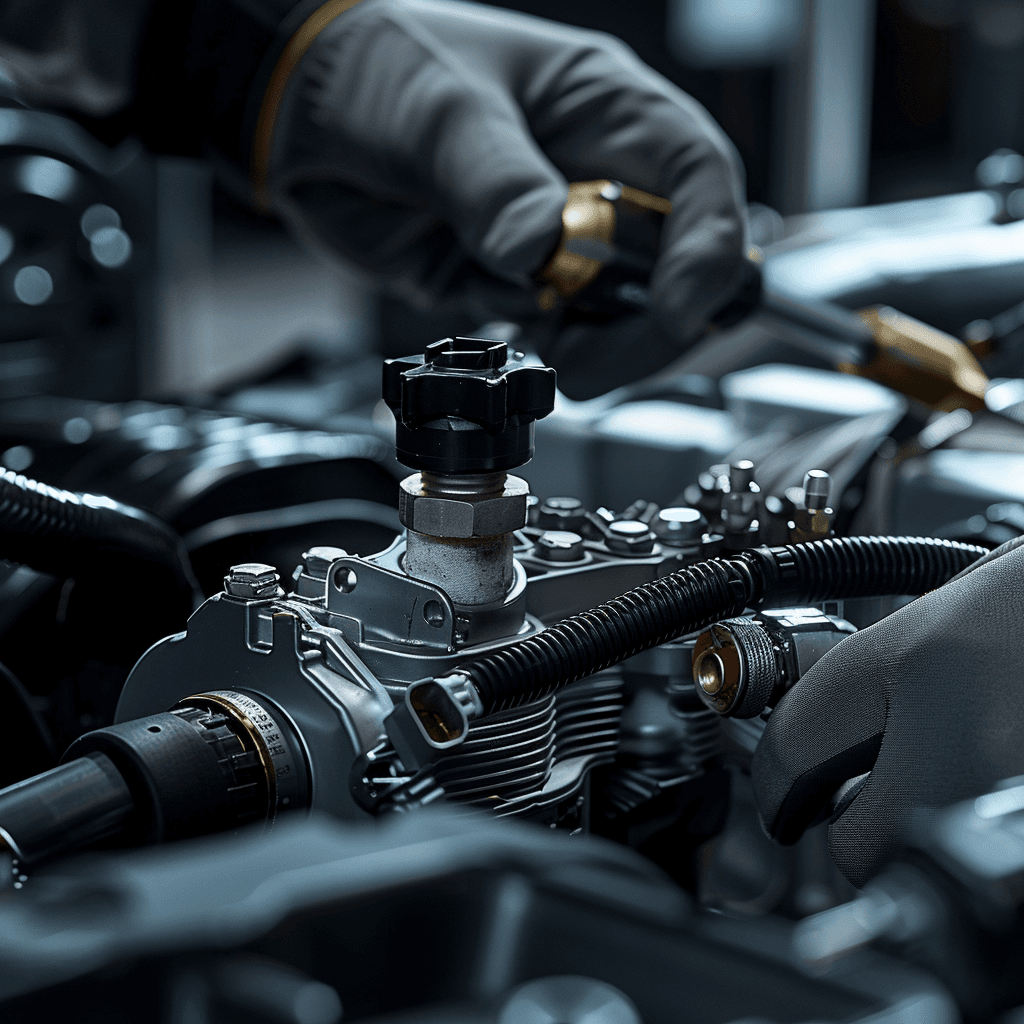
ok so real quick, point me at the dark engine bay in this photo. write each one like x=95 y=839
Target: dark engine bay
x=449 y=715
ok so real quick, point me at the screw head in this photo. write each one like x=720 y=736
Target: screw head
x=561 y=513
x=817 y=486
x=318 y=560
x=252 y=580
x=741 y=475
x=560 y=546
x=680 y=526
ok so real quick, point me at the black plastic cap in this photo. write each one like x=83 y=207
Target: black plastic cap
x=467 y=406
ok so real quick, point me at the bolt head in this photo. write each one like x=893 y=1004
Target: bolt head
x=741 y=475
x=561 y=513
x=679 y=526
x=560 y=546
x=318 y=560
x=252 y=580
x=817 y=486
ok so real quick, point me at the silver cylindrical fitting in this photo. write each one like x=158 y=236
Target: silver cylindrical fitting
x=471 y=571
x=470 y=506
x=459 y=531
x=817 y=488
x=463 y=486
x=741 y=475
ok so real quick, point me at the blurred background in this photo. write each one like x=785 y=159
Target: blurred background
x=831 y=104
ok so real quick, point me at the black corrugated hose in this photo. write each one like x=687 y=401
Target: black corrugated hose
x=699 y=595
x=63 y=532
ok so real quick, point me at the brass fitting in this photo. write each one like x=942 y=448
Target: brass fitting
x=591 y=221
x=921 y=362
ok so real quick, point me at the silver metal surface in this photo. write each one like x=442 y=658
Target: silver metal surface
x=477 y=505
x=474 y=624
x=337 y=712
x=561 y=513
x=679 y=526
x=373 y=603
x=817 y=487
x=559 y=546
x=252 y=580
x=741 y=475
x=311 y=576
x=471 y=572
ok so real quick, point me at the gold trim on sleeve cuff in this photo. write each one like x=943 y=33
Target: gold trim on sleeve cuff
x=295 y=50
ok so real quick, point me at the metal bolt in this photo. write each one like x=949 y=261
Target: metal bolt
x=629 y=537
x=252 y=580
x=562 y=504
x=680 y=526
x=319 y=559
x=817 y=487
x=563 y=513
x=741 y=475
x=560 y=546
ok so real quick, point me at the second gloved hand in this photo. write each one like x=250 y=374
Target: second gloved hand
x=431 y=143
x=929 y=700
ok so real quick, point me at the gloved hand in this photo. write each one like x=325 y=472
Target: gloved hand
x=431 y=141
x=929 y=700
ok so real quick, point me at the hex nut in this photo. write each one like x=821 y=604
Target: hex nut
x=560 y=546
x=318 y=560
x=561 y=513
x=448 y=517
x=680 y=527
x=254 y=580
x=310 y=575
x=629 y=537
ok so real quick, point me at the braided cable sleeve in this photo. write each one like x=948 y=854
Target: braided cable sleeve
x=53 y=530
x=702 y=594
x=590 y=641
x=848 y=567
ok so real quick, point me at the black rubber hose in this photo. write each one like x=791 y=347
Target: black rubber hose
x=58 y=532
x=699 y=595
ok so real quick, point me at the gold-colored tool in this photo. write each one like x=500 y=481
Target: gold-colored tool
x=605 y=225
x=609 y=242
x=921 y=362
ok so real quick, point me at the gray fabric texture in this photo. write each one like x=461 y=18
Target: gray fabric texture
x=431 y=142
x=929 y=700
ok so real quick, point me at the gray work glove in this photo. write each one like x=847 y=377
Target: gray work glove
x=929 y=700
x=431 y=143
